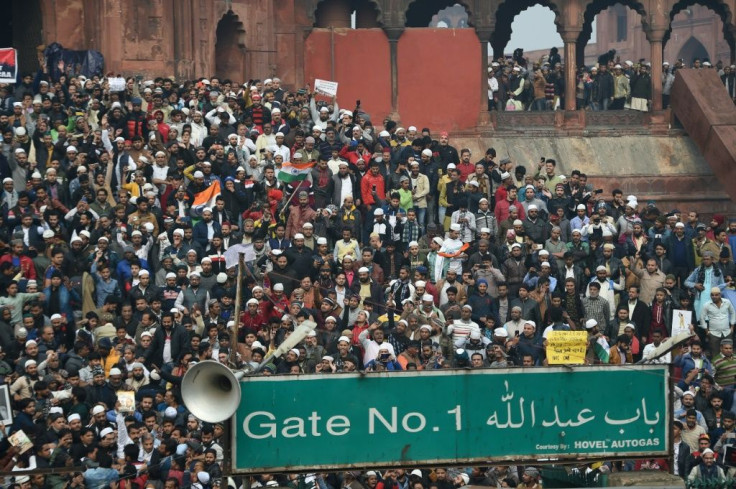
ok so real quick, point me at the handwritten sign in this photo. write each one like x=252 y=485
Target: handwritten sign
x=325 y=87
x=681 y=320
x=554 y=413
x=116 y=84
x=566 y=347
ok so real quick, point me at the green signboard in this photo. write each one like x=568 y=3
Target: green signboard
x=308 y=422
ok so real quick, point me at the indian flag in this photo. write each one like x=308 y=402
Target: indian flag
x=294 y=172
x=602 y=350
x=206 y=198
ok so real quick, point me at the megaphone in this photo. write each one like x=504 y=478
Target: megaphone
x=667 y=346
x=211 y=391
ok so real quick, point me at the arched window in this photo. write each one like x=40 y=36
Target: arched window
x=692 y=50
x=699 y=28
x=619 y=32
x=541 y=21
x=230 y=47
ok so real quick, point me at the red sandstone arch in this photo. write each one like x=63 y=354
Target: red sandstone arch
x=505 y=14
x=720 y=7
x=597 y=6
x=230 y=47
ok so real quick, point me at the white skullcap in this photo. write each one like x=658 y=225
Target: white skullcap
x=364 y=270
x=428 y=297
x=105 y=432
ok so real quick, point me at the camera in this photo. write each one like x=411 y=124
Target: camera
x=598 y=191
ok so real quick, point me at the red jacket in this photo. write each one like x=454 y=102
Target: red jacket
x=502 y=210
x=366 y=188
x=24 y=263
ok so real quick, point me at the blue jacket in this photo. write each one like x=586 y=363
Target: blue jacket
x=686 y=363
x=199 y=232
x=66 y=296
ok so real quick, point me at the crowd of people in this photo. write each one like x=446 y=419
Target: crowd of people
x=118 y=208
x=611 y=84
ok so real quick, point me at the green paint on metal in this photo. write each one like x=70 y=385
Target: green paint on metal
x=400 y=418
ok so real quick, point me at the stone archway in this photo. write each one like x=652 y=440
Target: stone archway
x=230 y=48
x=592 y=10
x=720 y=7
x=692 y=49
x=422 y=13
x=505 y=15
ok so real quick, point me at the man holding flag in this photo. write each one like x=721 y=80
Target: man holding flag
x=295 y=177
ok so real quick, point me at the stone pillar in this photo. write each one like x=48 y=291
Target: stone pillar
x=655 y=44
x=393 y=34
x=570 y=38
x=183 y=39
x=484 y=34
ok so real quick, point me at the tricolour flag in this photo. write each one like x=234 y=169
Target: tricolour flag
x=294 y=172
x=602 y=350
x=206 y=198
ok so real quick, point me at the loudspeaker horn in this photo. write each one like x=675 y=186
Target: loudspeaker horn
x=211 y=391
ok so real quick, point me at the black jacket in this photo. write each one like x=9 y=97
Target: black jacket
x=179 y=344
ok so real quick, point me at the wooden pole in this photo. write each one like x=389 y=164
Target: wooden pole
x=236 y=312
x=286 y=205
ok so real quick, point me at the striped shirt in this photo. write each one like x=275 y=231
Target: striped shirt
x=725 y=370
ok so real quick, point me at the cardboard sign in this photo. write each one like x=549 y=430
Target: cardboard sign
x=325 y=87
x=681 y=320
x=566 y=347
x=116 y=84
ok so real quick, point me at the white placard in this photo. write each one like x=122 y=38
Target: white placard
x=681 y=320
x=116 y=84
x=233 y=252
x=325 y=87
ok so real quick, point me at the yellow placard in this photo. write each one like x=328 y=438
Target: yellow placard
x=566 y=347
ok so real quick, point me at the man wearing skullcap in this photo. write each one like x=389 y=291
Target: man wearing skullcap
x=702 y=280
